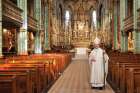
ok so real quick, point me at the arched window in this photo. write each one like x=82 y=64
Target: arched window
x=94 y=20
x=67 y=17
x=61 y=14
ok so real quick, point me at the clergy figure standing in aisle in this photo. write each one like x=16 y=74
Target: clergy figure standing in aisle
x=98 y=61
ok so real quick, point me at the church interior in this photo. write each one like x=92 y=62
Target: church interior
x=45 y=45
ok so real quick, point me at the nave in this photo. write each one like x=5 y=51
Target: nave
x=39 y=37
x=75 y=79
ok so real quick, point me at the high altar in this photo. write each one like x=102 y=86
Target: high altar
x=81 y=29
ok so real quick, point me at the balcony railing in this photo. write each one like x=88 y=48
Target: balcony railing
x=128 y=23
x=11 y=12
x=32 y=23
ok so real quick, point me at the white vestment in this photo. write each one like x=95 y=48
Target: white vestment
x=99 y=66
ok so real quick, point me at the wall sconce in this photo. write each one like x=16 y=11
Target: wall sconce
x=4 y=30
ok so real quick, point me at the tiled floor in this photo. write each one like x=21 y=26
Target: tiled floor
x=75 y=79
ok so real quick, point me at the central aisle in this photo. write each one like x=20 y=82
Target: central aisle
x=75 y=79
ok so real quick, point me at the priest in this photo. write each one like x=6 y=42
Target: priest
x=98 y=60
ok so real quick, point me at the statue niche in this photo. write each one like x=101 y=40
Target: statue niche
x=9 y=41
x=30 y=42
x=130 y=41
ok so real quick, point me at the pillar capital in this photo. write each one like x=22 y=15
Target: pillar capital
x=23 y=30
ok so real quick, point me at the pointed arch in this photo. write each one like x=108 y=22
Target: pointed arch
x=92 y=18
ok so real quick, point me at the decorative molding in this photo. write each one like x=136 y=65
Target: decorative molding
x=11 y=12
x=129 y=23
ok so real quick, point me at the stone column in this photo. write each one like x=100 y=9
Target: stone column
x=115 y=26
x=22 y=35
x=0 y=28
x=38 y=48
x=138 y=3
x=136 y=33
x=47 y=46
x=124 y=44
x=50 y=36
x=125 y=41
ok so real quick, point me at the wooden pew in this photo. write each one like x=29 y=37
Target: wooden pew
x=124 y=75
x=118 y=68
x=34 y=72
x=8 y=84
x=39 y=65
x=114 y=68
x=54 y=63
x=23 y=80
x=46 y=69
x=121 y=67
x=61 y=60
x=133 y=81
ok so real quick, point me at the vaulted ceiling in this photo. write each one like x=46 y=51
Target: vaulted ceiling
x=80 y=7
x=75 y=4
x=78 y=0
